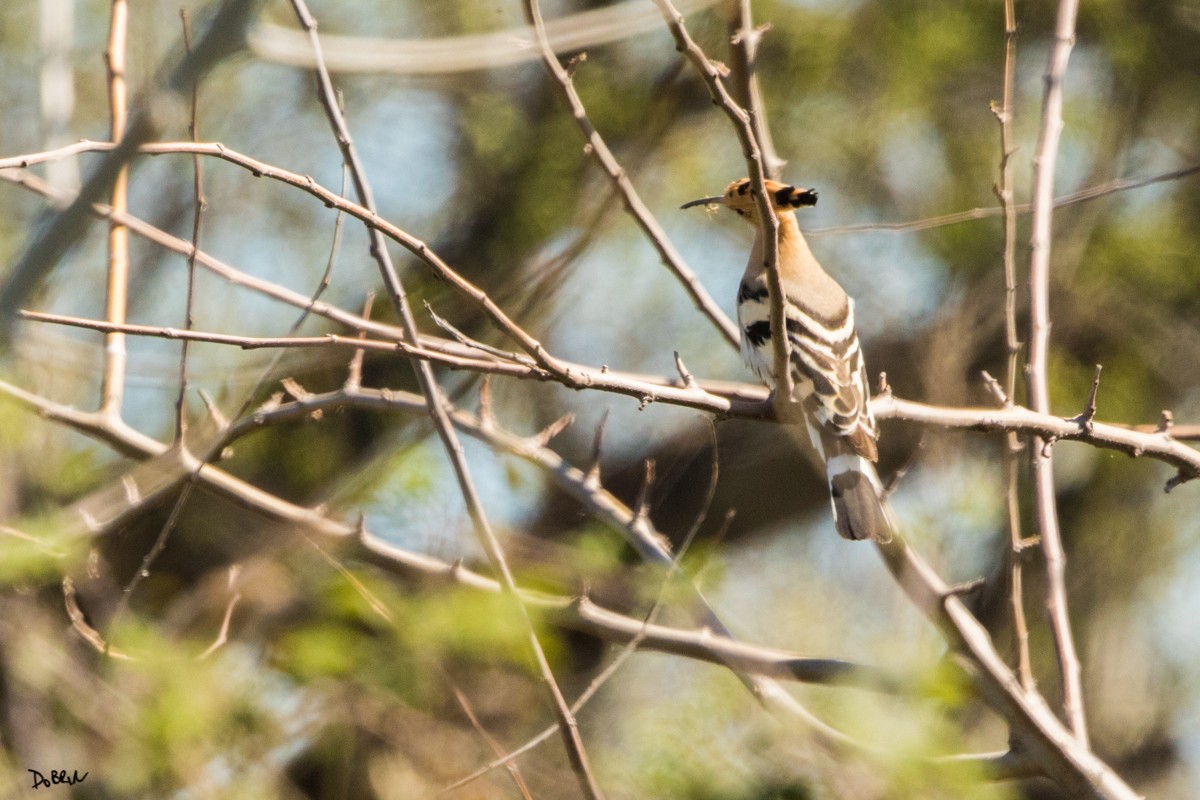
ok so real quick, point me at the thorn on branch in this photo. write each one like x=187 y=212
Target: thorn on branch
x=354 y=376
x=752 y=36
x=543 y=437
x=1165 y=422
x=995 y=389
x=132 y=494
x=292 y=387
x=883 y=389
x=1048 y=445
x=689 y=382
x=1089 y=411
x=894 y=482
x=214 y=411
x=270 y=404
x=726 y=523
x=1027 y=544
x=1179 y=478
x=966 y=587
x=642 y=508
x=592 y=478
x=573 y=62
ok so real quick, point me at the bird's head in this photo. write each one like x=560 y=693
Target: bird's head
x=740 y=197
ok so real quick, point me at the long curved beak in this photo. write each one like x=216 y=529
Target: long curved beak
x=704 y=201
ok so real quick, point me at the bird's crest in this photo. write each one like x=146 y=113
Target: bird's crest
x=740 y=197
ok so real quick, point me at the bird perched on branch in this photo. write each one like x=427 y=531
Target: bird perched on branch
x=828 y=375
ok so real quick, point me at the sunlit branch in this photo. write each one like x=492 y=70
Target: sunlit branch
x=1012 y=443
x=112 y=384
x=786 y=406
x=1037 y=367
x=437 y=406
x=722 y=398
x=598 y=149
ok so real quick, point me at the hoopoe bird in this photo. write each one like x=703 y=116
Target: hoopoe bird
x=828 y=374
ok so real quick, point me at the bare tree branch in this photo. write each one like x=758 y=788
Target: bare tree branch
x=112 y=385
x=462 y=53
x=786 y=406
x=598 y=149
x=743 y=56
x=437 y=407
x=1034 y=728
x=1039 y=393
x=1012 y=443
x=50 y=242
x=724 y=399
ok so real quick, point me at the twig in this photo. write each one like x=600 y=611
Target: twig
x=505 y=760
x=324 y=341
x=785 y=405
x=1089 y=410
x=743 y=61
x=354 y=373
x=1012 y=443
x=50 y=242
x=1033 y=726
x=688 y=380
x=1003 y=398
x=630 y=647
x=1039 y=396
x=598 y=149
x=1018 y=419
x=437 y=408
x=234 y=598
x=1040 y=733
x=81 y=626
x=112 y=384
x=1074 y=198
x=475 y=344
x=201 y=203
x=722 y=398
x=592 y=477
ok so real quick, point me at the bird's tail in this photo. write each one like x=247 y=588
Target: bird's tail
x=860 y=508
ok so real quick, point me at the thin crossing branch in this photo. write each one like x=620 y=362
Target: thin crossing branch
x=598 y=149
x=786 y=406
x=112 y=385
x=1037 y=370
x=436 y=405
x=1012 y=442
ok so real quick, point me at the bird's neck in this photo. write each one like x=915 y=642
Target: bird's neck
x=804 y=281
x=795 y=259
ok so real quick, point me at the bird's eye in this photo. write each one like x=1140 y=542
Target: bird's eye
x=740 y=213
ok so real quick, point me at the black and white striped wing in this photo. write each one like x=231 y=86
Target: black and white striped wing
x=828 y=372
